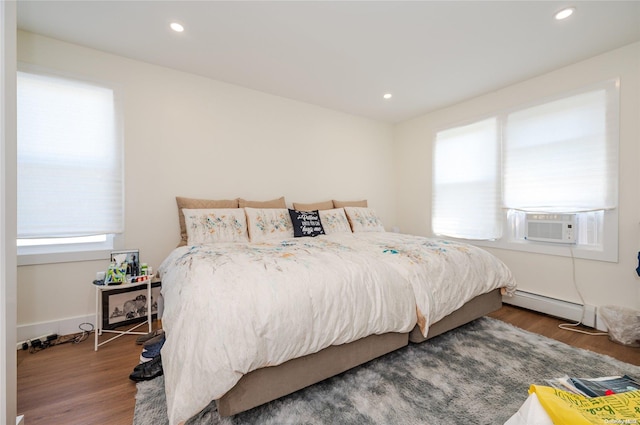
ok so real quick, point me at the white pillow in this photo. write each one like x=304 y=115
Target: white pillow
x=363 y=220
x=268 y=224
x=215 y=225
x=334 y=221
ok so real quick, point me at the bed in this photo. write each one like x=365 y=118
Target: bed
x=250 y=318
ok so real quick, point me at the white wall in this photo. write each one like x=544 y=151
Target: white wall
x=601 y=283
x=8 y=295
x=191 y=136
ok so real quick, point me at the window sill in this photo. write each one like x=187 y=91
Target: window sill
x=33 y=255
x=549 y=248
x=62 y=257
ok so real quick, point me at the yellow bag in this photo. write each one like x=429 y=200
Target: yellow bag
x=566 y=408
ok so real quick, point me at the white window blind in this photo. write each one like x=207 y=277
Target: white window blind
x=70 y=174
x=466 y=183
x=562 y=155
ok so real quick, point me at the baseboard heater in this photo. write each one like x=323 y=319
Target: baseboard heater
x=554 y=307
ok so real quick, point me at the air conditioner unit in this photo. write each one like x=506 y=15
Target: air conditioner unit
x=545 y=227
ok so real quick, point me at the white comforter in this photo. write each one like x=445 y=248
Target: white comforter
x=443 y=274
x=234 y=308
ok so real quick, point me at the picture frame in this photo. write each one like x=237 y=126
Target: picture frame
x=132 y=260
x=128 y=306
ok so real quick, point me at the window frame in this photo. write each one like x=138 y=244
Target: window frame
x=89 y=251
x=610 y=231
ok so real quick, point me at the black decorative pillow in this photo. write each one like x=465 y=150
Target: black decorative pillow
x=306 y=223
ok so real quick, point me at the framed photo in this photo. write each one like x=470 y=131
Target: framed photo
x=132 y=260
x=128 y=306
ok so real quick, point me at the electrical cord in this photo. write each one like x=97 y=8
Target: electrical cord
x=85 y=332
x=77 y=338
x=573 y=326
x=39 y=345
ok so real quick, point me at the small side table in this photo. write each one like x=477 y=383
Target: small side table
x=105 y=288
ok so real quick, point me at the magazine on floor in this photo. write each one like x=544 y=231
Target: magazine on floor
x=596 y=387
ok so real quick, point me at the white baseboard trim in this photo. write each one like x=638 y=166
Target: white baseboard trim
x=20 y=420
x=551 y=306
x=557 y=308
x=61 y=327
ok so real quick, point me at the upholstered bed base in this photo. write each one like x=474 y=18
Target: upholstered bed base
x=267 y=384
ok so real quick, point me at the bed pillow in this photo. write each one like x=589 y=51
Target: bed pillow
x=274 y=203
x=306 y=223
x=215 y=225
x=334 y=221
x=326 y=205
x=363 y=220
x=268 y=224
x=342 y=204
x=192 y=203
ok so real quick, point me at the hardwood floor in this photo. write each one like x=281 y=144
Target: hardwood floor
x=72 y=384
x=548 y=326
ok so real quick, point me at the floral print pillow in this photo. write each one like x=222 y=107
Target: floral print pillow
x=268 y=223
x=215 y=225
x=334 y=221
x=363 y=219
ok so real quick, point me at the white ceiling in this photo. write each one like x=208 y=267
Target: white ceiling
x=345 y=55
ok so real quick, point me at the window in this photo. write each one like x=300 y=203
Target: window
x=466 y=191
x=556 y=156
x=70 y=173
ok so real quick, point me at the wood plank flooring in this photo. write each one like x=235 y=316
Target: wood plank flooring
x=72 y=384
x=548 y=326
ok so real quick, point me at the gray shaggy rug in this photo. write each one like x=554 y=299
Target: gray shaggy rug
x=476 y=374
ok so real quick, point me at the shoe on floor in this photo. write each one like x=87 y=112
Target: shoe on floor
x=148 y=371
x=143 y=338
x=151 y=351
x=144 y=360
x=139 y=366
x=156 y=339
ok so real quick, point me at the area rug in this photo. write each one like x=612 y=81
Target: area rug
x=476 y=374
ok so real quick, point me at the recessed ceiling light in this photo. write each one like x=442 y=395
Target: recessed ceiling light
x=564 y=13
x=176 y=27
x=387 y=96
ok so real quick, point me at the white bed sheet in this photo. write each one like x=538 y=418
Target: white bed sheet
x=234 y=308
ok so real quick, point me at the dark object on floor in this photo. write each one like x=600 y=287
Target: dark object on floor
x=160 y=338
x=147 y=371
x=144 y=338
x=151 y=351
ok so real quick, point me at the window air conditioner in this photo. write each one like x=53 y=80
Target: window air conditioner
x=544 y=227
